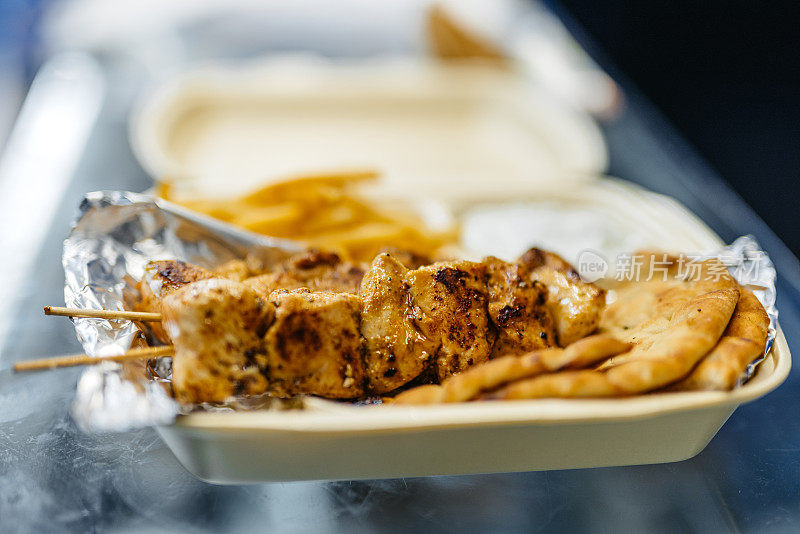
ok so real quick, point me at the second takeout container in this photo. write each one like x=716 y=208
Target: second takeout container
x=229 y=129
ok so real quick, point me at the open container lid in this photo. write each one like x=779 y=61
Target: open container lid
x=442 y=127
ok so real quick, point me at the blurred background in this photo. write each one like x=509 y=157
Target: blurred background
x=725 y=74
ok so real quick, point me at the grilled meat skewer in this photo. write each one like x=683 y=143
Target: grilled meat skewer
x=241 y=337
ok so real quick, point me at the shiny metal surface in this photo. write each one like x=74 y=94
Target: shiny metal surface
x=55 y=478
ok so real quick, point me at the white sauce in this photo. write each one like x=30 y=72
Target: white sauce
x=506 y=231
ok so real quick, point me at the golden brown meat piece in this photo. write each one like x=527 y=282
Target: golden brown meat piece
x=163 y=277
x=517 y=307
x=314 y=270
x=448 y=305
x=236 y=270
x=396 y=351
x=575 y=305
x=441 y=310
x=314 y=345
x=218 y=328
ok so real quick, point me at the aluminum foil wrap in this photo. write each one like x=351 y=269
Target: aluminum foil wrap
x=117 y=233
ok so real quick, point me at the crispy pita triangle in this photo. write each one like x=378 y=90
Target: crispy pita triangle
x=743 y=341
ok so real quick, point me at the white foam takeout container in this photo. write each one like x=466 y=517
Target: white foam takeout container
x=516 y=168
x=340 y=441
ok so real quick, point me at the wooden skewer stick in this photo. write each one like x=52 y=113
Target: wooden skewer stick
x=85 y=359
x=103 y=314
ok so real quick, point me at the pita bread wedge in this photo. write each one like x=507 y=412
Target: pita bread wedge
x=472 y=382
x=743 y=341
x=670 y=354
x=673 y=321
x=426 y=394
x=567 y=384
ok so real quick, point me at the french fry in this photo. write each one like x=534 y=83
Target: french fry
x=362 y=241
x=323 y=210
x=224 y=210
x=279 y=221
x=289 y=189
x=164 y=190
x=339 y=217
